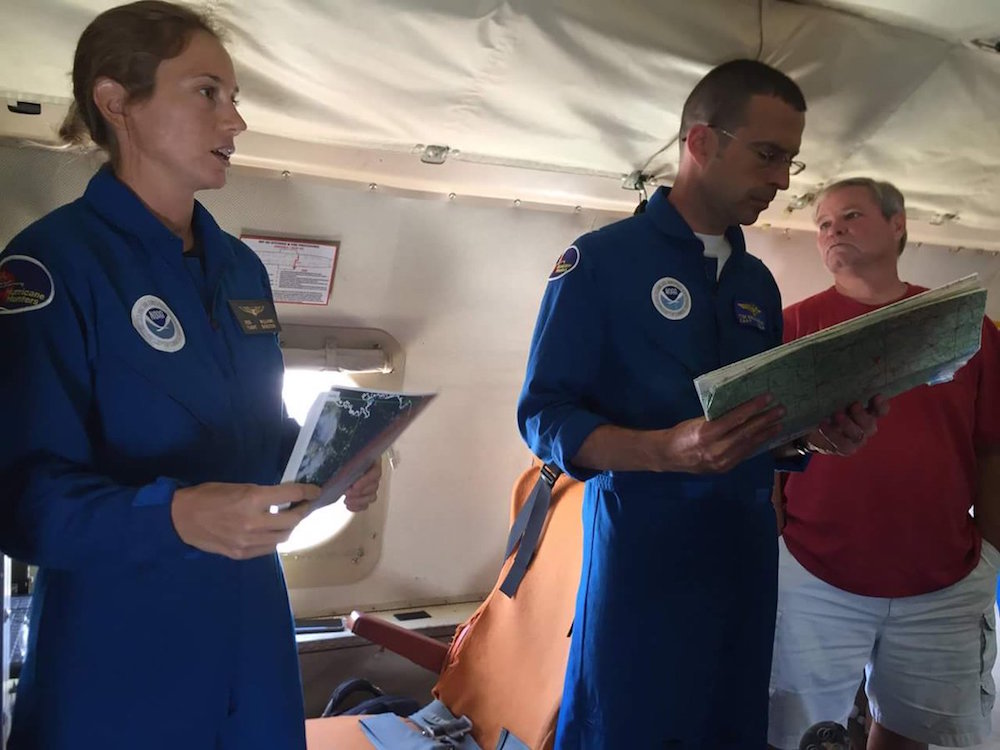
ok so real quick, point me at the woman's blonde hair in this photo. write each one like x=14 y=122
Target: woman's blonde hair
x=125 y=44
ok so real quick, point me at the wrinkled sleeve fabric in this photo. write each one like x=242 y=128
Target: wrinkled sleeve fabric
x=55 y=510
x=556 y=409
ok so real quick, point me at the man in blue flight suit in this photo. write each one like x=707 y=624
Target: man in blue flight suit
x=671 y=644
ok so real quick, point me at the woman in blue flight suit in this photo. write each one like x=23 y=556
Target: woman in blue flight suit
x=144 y=429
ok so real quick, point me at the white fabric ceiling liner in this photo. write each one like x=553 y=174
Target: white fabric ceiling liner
x=590 y=87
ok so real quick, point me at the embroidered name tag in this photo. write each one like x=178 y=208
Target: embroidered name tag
x=749 y=314
x=255 y=315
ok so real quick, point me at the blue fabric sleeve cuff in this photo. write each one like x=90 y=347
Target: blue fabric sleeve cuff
x=152 y=535
x=570 y=437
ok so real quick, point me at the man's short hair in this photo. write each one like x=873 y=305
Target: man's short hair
x=888 y=197
x=721 y=97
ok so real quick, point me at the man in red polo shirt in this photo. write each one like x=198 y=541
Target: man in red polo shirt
x=882 y=569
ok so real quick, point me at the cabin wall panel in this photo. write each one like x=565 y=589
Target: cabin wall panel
x=458 y=286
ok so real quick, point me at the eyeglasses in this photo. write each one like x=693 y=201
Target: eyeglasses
x=767 y=156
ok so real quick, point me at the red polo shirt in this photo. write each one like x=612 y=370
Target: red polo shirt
x=893 y=519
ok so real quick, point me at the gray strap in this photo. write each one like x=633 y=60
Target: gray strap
x=526 y=532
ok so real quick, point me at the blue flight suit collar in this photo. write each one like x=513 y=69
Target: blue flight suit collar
x=668 y=220
x=114 y=200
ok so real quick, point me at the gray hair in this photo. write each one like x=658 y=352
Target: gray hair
x=888 y=197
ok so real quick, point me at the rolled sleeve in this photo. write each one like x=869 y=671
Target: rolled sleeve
x=555 y=412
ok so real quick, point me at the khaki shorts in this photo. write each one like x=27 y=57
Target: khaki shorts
x=928 y=659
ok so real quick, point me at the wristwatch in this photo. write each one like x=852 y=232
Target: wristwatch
x=801 y=446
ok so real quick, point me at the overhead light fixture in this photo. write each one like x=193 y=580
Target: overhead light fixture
x=435 y=154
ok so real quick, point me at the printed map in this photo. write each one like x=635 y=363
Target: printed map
x=924 y=339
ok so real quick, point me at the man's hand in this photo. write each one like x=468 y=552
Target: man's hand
x=846 y=432
x=235 y=520
x=364 y=491
x=698 y=446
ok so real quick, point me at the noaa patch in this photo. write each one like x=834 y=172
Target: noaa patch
x=749 y=314
x=671 y=299
x=157 y=324
x=25 y=285
x=566 y=263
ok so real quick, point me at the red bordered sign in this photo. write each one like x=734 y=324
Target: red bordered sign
x=300 y=270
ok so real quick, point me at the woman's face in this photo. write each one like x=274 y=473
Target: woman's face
x=182 y=136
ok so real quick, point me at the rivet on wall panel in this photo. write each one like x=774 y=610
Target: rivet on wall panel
x=285 y=174
x=451 y=196
x=372 y=186
x=517 y=202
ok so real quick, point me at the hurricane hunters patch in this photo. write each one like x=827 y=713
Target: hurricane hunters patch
x=566 y=263
x=749 y=314
x=25 y=285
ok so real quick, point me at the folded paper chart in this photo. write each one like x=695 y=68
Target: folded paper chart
x=346 y=430
x=924 y=339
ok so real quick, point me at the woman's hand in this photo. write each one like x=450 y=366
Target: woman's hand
x=364 y=491
x=235 y=520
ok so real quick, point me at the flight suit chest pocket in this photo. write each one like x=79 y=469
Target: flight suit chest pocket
x=154 y=388
x=678 y=327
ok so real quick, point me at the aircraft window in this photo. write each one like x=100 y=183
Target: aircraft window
x=300 y=389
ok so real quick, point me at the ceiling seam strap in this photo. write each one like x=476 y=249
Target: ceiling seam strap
x=465 y=112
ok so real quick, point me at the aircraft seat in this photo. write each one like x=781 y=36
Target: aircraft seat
x=504 y=668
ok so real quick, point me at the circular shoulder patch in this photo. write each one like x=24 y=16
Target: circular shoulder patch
x=566 y=263
x=671 y=299
x=25 y=285
x=157 y=324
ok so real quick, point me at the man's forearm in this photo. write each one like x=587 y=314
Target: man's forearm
x=694 y=446
x=987 y=506
x=611 y=448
